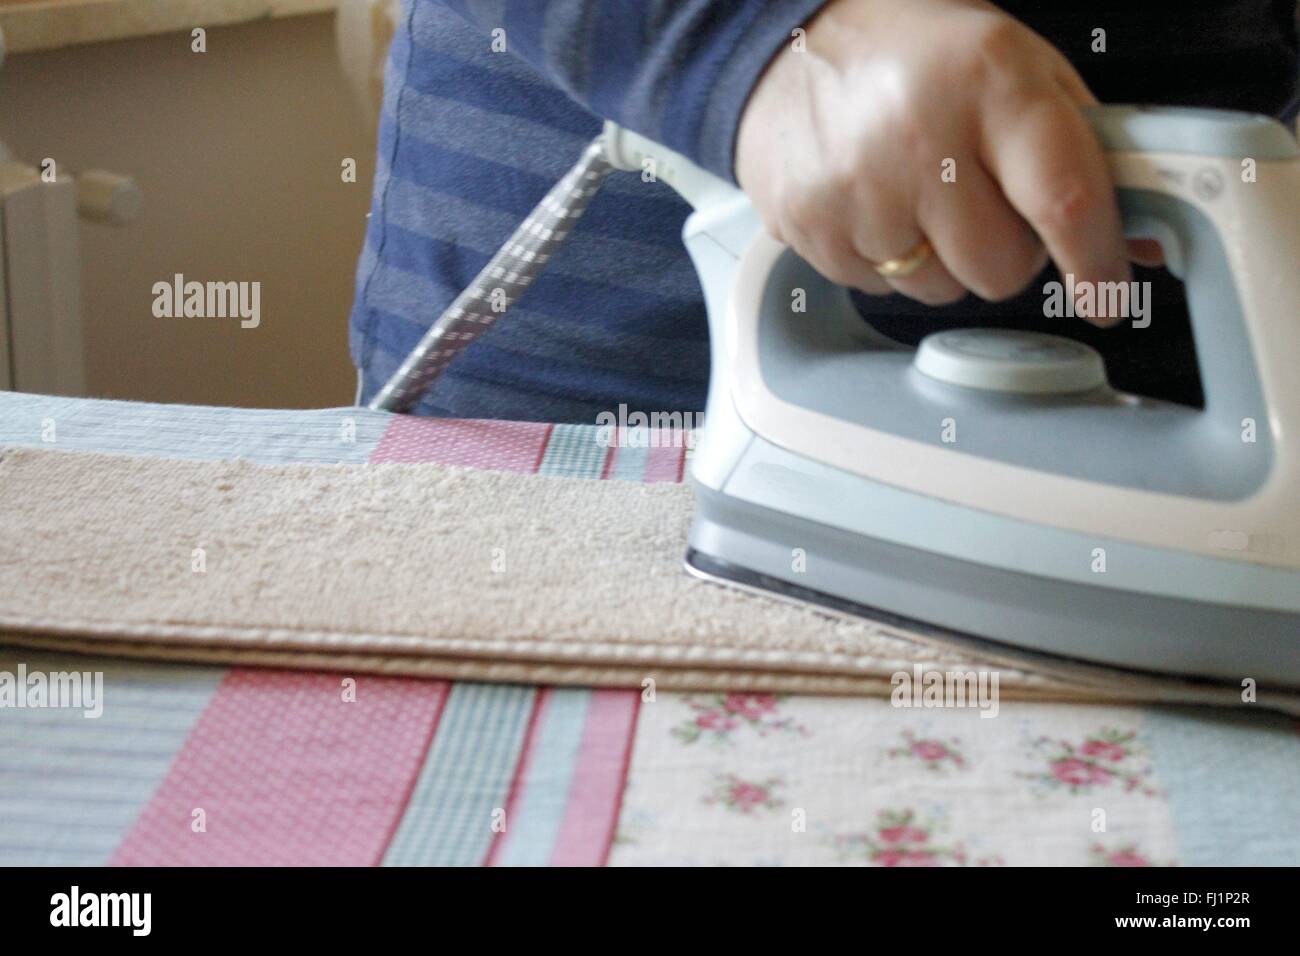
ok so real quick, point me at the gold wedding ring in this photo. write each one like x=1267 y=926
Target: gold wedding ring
x=906 y=264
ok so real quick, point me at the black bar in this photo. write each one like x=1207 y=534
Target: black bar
x=487 y=907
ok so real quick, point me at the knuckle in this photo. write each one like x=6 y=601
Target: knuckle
x=1003 y=57
x=996 y=41
x=1064 y=205
x=912 y=132
x=795 y=209
x=843 y=172
x=909 y=129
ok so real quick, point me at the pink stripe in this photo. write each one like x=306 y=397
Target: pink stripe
x=288 y=773
x=596 y=793
x=535 y=721
x=541 y=450
x=441 y=690
x=665 y=463
x=611 y=457
x=504 y=446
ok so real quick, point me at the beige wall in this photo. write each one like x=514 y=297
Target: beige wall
x=237 y=152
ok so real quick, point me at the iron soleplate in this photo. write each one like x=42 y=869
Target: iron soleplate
x=1105 y=677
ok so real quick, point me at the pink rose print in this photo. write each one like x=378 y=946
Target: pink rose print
x=719 y=716
x=904 y=835
x=1106 y=758
x=934 y=754
x=750 y=706
x=1125 y=856
x=715 y=720
x=1079 y=773
x=1103 y=750
x=745 y=796
x=900 y=839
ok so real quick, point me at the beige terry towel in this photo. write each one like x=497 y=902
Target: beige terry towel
x=437 y=571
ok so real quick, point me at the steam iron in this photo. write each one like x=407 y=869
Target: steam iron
x=991 y=483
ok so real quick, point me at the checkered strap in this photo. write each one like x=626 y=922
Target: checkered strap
x=511 y=271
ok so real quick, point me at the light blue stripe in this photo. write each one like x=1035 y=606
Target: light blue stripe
x=470 y=704
x=462 y=710
x=466 y=776
x=630 y=462
x=462 y=841
x=272 y=436
x=1233 y=785
x=572 y=452
x=71 y=788
x=469 y=779
x=536 y=824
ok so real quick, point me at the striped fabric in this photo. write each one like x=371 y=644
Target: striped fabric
x=520 y=775
x=315 y=436
x=465 y=785
x=71 y=787
x=509 y=446
x=537 y=807
x=300 y=768
x=566 y=801
x=593 y=796
x=640 y=454
x=471 y=139
x=290 y=769
x=573 y=452
x=284 y=770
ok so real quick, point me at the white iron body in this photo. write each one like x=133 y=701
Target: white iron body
x=993 y=484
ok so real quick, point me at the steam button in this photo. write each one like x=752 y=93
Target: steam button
x=1006 y=360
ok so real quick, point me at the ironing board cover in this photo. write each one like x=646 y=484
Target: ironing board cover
x=192 y=765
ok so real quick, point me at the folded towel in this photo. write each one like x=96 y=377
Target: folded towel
x=439 y=571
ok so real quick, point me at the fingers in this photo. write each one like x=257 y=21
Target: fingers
x=1053 y=172
x=983 y=242
x=886 y=228
x=980 y=244
x=932 y=283
x=823 y=226
x=839 y=258
x=1036 y=185
x=834 y=257
x=1145 y=252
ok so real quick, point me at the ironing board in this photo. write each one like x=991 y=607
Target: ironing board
x=201 y=765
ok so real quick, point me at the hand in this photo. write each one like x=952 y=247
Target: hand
x=843 y=146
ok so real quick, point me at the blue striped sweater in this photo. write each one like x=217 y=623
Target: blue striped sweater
x=471 y=138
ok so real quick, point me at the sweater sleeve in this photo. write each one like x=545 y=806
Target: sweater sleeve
x=678 y=71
